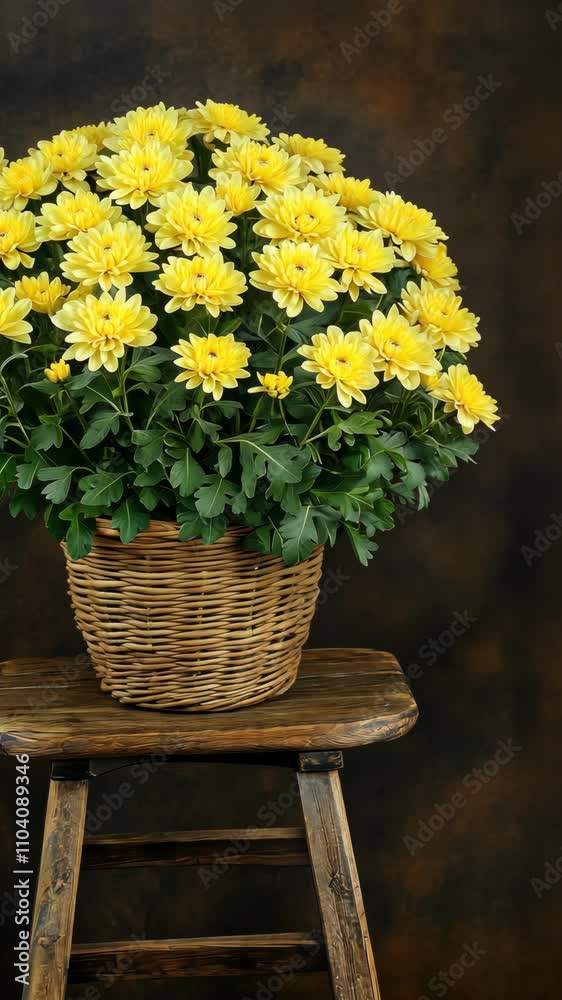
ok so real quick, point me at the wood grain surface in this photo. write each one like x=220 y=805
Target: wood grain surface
x=342 y=698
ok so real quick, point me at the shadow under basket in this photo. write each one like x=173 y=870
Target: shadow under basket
x=191 y=627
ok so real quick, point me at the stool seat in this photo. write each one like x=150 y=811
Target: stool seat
x=343 y=698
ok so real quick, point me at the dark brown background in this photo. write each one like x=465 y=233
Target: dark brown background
x=501 y=680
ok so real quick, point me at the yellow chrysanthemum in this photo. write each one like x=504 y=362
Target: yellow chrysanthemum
x=413 y=230
x=97 y=134
x=441 y=316
x=224 y=122
x=3 y=160
x=400 y=351
x=238 y=195
x=317 y=156
x=74 y=213
x=207 y=281
x=428 y=382
x=142 y=173
x=439 y=270
x=275 y=384
x=26 y=179
x=270 y=167
x=70 y=155
x=108 y=255
x=17 y=236
x=296 y=275
x=343 y=360
x=195 y=220
x=463 y=392
x=13 y=324
x=58 y=371
x=353 y=193
x=101 y=329
x=301 y=215
x=215 y=363
x=146 y=125
x=46 y=294
x=360 y=256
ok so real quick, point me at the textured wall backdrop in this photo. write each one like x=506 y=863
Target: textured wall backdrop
x=377 y=87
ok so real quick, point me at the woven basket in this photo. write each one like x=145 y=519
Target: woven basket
x=191 y=627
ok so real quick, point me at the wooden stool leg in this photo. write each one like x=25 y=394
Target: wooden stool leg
x=344 y=922
x=55 y=900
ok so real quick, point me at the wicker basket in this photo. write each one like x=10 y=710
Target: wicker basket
x=191 y=627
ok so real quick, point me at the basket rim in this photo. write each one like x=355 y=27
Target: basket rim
x=156 y=525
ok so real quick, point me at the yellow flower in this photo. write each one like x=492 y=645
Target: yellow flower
x=216 y=363
x=97 y=134
x=275 y=384
x=428 y=382
x=3 y=160
x=359 y=255
x=74 y=213
x=195 y=220
x=58 y=371
x=413 y=230
x=439 y=269
x=207 y=281
x=12 y=317
x=316 y=155
x=26 y=179
x=45 y=294
x=343 y=360
x=400 y=351
x=296 y=275
x=463 y=392
x=108 y=255
x=353 y=193
x=238 y=195
x=70 y=155
x=301 y=215
x=223 y=122
x=441 y=316
x=101 y=329
x=271 y=168
x=146 y=125
x=142 y=173
x=17 y=236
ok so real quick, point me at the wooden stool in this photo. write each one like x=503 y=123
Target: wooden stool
x=343 y=698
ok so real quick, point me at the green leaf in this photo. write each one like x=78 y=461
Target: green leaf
x=129 y=519
x=299 y=535
x=149 y=446
x=363 y=547
x=102 y=488
x=24 y=502
x=53 y=523
x=59 y=480
x=46 y=436
x=211 y=499
x=281 y=463
x=101 y=424
x=7 y=470
x=359 y=423
x=80 y=535
x=195 y=526
x=224 y=463
x=150 y=497
x=26 y=473
x=186 y=475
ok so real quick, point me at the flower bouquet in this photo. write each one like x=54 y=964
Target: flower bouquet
x=216 y=343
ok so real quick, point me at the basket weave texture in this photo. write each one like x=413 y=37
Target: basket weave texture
x=188 y=626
